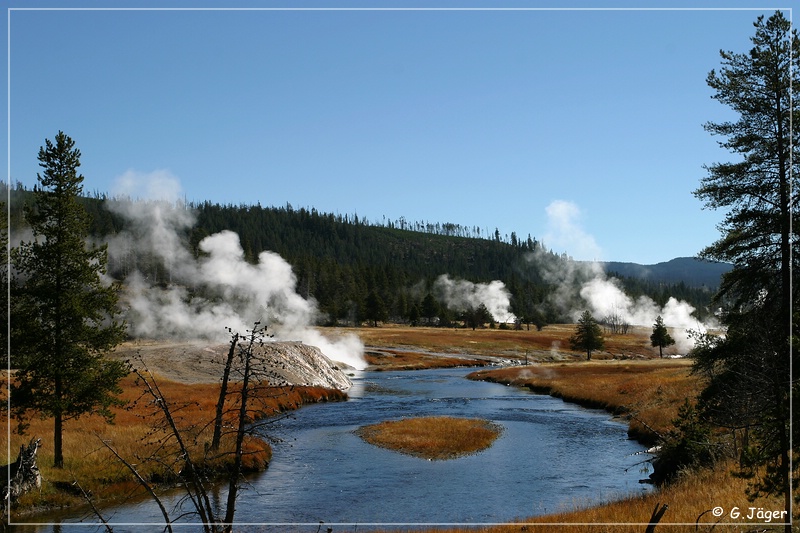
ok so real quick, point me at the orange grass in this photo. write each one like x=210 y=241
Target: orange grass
x=648 y=393
x=689 y=500
x=551 y=342
x=135 y=436
x=387 y=359
x=436 y=437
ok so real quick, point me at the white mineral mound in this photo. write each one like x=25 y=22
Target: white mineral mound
x=295 y=363
x=279 y=363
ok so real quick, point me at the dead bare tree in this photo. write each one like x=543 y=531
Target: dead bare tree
x=223 y=393
x=194 y=482
x=233 y=484
x=655 y=517
x=142 y=481
x=89 y=500
x=615 y=322
x=176 y=443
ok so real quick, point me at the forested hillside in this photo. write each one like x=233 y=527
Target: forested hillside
x=360 y=271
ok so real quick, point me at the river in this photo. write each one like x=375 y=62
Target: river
x=551 y=456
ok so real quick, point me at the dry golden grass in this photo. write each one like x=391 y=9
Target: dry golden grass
x=689 y=499
x=388 y=359
x=648 y=392
x=89 y=462
x=551 y=342
x=651 y=389
x=432 y=438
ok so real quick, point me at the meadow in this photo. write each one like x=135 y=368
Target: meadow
x=137 y=435
x=626 y=379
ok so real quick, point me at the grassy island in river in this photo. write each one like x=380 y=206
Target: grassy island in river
x=432 y=437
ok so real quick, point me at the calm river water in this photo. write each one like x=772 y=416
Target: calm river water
x=551 y=456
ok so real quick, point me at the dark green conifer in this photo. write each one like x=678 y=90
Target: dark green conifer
x=750 y=371
x=64 y=310
x=661 y=336
x=588 y=337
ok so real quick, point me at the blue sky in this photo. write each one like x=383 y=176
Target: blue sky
x=582 y=128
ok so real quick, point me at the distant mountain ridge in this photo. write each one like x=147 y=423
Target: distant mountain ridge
x=689 y=270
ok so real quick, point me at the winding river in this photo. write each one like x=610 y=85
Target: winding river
x=551 y=456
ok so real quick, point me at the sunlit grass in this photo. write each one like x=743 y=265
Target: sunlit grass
x=135 y=435
x=388 y=359
x=411 y=347
x=648 y=393
x=432 y=438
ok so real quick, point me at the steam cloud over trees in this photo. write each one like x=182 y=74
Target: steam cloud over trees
x=198 y=297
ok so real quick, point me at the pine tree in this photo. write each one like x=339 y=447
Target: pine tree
x=430 y=308
x=64 y=311
x=758 y=234
x=375 y=309
x=661 y=336
x=588 y=336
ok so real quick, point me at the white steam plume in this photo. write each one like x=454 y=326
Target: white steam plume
x=605 y=297
x=461 y=295
x=564 y=231
x=584 y=285
x=236 y=293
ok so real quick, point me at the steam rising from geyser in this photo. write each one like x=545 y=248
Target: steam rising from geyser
x=585 y=285
x=461 y=295
x=605 y=297
x=235 y=293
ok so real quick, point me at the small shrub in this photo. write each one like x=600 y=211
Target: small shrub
x=687 y=446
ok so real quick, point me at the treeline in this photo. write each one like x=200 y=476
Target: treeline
x=360 y=271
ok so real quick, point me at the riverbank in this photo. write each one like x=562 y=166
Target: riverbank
x=137 y=437
x=690 y=502
x=647 y=394
x=627 y=379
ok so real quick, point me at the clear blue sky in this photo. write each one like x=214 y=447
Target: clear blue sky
x=496 y=119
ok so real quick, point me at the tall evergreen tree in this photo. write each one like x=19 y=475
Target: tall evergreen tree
x=430 y=308
x=661 y=336
x=375 y=309
x=759 y=231
x=757 y=191
x=63 y=323
x=476 y=317
x=588 y=337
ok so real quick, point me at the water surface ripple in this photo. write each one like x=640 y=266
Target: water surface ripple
x=551 y=456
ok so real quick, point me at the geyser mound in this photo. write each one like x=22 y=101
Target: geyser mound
x=171 y=294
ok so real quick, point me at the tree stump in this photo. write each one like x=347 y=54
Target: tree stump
x=655 y=518
x=22 y=475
